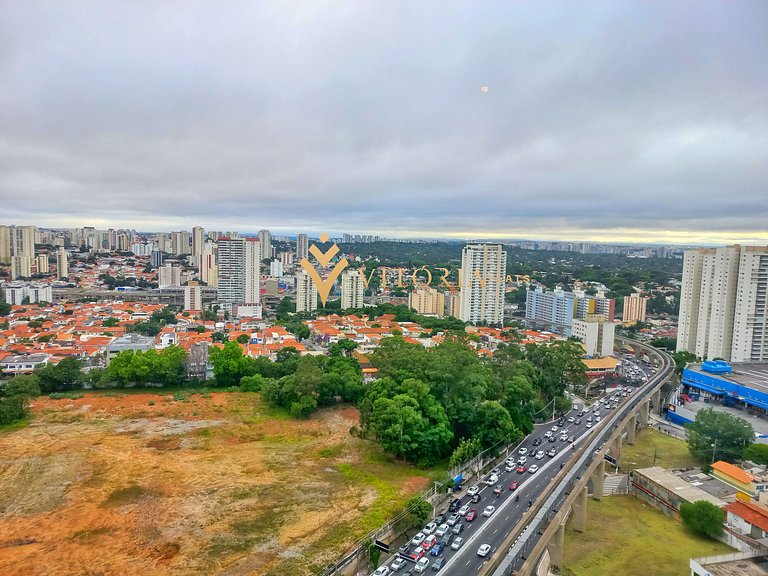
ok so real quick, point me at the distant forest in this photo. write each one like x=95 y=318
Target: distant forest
x=619 y=273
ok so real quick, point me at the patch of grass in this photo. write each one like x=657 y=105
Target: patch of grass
x=17 y=425
x=124 y=496
x=634 y=529
x=206 y=432
x=65 y=395
x=85 y=534
x=654 y=446
x=331 y=451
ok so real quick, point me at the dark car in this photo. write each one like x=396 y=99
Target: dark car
x=437 y=549
x=404 y=549
x=537 y=442
x=455 y=505
x=447 y=538
x=438 y=564
x=552 y=439
x=440 y=519
x=458 y=529
x=476 y=498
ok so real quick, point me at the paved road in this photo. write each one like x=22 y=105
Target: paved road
x=509 y=509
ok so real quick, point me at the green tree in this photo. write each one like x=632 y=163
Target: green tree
x=467 y=449
x=703 y=517
x=5 y=309
x=303 y=407
x=682 y=359
x=251 y=383
x=66 y=375
x=757 y=453
x=110 y=322
x=15 y=396
x=243 y=338
x=343 y=347
x=715 y=435
x=230 y=365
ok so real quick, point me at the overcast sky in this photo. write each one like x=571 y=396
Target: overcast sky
x=613 y=121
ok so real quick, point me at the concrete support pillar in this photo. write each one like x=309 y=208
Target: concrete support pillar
x=598 y=476
x=615 y=450
x=556 y=546
x=580 y=511
x=644 y=414
x=631 y=427
x=656 y=401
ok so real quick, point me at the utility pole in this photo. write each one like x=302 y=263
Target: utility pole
x=714 y=449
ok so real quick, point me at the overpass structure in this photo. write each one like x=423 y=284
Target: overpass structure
x=173 y=296
x=538 y=540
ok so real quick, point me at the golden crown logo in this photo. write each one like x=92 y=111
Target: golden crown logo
x=324 y=258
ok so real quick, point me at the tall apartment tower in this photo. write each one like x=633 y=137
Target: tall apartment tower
x=634 y=308
x=62 y=263
x=306 y=293
x=209 y=271
x=723 y=303
x=265 y=237
x=252 y=261
x=198 y=241
x=238 y=264
x=169 y=275
x=483 y=271
x=352 y=289
x=5 y=244
x=302 y=246
x=42 y=264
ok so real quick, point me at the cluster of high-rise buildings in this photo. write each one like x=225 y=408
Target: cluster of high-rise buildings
x=18 y=251
x=723 y=303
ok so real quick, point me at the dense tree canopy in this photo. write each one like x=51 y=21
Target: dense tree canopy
x=65 y=375
x=164 y=367
x=703 y=517
x=757 y=453
x=717 y=435
x=14 y=397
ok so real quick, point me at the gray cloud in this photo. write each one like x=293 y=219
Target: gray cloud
x=601 y=118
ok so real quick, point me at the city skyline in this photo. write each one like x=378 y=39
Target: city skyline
x=639 y=122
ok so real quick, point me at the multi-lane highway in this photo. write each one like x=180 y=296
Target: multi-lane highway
x=582 y=425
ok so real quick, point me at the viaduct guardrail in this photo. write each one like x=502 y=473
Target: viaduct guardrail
x=529 y=540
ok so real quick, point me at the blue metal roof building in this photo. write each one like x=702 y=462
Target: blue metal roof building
x=738 y=383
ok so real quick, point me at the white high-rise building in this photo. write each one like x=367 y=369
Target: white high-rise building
x=169 y=275
x=21 y=267
x=596 y=333
x=276 y=269
x=265 y=237
x=483 y=271
x=62 y=263
x=723 y=303
x=238 y=264
x=209 y=271
x=252 y=269
x=302 y=246
x=352 y=289
x=15 y=294
x=306 y=293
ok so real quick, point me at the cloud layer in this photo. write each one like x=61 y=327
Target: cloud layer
x=604 y=120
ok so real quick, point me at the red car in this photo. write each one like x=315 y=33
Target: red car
x=417 y=554
x=513 y=486
x=521 y=469
x=471 y=515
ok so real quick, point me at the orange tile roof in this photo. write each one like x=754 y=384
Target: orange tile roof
x=733 y=471
x=752 y=513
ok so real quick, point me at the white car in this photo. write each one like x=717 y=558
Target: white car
x=589 y=424
x=554 y=428
x=421 y=565
x=442 y=530
x=571 y=419
x=418 y=539
x=533 y=468
x=548 y=433
x=489 y=510
x=457 y=542
x=474 y=490
x=397 y=563
x=463 y=510
x=523 y=451
x=483 y=550
x=597 y=418
x=492 y=479
x=509 y=467
x=575 y=406
x=539 y=455
x=429 y=528
x=381 y=571
x=522 y=459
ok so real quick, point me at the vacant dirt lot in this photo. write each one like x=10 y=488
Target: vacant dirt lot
x=187 y=484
